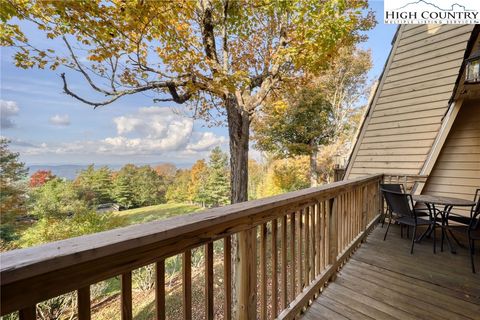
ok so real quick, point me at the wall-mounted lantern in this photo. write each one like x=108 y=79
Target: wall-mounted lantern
x=472 y=74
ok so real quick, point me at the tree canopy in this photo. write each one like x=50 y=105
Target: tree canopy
x=295 y=124
x=185 y=48
x=225 y=55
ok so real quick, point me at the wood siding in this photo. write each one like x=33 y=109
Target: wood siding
x=407 y=111
x=456 y=172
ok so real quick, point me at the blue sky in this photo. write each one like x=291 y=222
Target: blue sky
x=48 y=127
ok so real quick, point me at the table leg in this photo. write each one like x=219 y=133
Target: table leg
x=446 y=230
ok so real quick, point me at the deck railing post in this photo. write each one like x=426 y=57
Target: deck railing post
x=246 y=276
x=320 y=229
x=364 y=207
x=332 y=232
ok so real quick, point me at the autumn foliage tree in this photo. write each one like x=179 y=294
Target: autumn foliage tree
x=319 y=117
x=296 y=124
x=229 y=54
x=345 y=86
x=198 y=182
x=40 y=177
x=225 y=54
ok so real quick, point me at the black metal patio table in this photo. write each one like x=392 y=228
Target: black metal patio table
x=448 y=203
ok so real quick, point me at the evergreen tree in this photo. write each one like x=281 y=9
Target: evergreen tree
x=148 y=187
x=218 y=185
x=12 y=190
x=124 y=184
x=95 y=186
x=121 y=191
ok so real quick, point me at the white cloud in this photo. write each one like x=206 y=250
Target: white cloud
x=60 y=120
x=205 y=141
x=152 y=131
x=8 y=109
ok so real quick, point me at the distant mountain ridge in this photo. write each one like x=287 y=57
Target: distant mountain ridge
x=70 y=171
x=67 y=171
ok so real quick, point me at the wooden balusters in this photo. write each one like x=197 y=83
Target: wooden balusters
x=349 y=218
x=187 y=284
x=339 y=216
x=332 y=231
x=292 y=256
x=318 y=238
x=274 y=269
x=309 y=243
x=227 y=277
x=83 y=298
x=313 y=246
x=323 y=238
x=263 y=271
x=306 y=275
x=284 y=263
x=247 y=274
x=126 y=284
x=299 y=266
x=209 y=281
x=160 y=289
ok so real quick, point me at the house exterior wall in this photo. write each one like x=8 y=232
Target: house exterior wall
x=411 y=100
x=456 y=172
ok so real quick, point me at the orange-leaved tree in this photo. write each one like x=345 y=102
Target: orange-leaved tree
x=40 y=177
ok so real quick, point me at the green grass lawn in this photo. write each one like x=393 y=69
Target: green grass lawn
x=147 y=214
x=158 y=212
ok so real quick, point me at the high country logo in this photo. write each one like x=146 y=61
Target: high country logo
x=440 y=11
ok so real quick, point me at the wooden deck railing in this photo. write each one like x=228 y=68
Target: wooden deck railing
x=409 y=181
x=300 y=239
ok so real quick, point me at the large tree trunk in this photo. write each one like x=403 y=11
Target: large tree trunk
x=313 y=165
x=238 y=131
x=244 y=243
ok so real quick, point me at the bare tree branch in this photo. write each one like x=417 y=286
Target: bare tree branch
x=170 y=85
x=208 y=34
x=82 y=71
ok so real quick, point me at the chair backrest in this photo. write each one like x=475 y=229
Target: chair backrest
x=396 y=187
x=475 y=222
x=477 y=200
x=399 y=202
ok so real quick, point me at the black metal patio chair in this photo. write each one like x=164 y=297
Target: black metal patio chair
x=474 y=234
x=402 y=205
x=397 y=187
x=470 y=224
x=461 y=218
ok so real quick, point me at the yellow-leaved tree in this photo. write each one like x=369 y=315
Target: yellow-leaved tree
x=213 y=53
x=225 y=54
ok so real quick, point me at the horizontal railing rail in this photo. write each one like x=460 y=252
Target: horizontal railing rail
x=299 y=239
x=409 y=181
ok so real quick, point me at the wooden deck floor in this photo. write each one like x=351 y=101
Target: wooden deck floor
x=383 y=281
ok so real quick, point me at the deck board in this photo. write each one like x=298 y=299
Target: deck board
x=383 y=281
